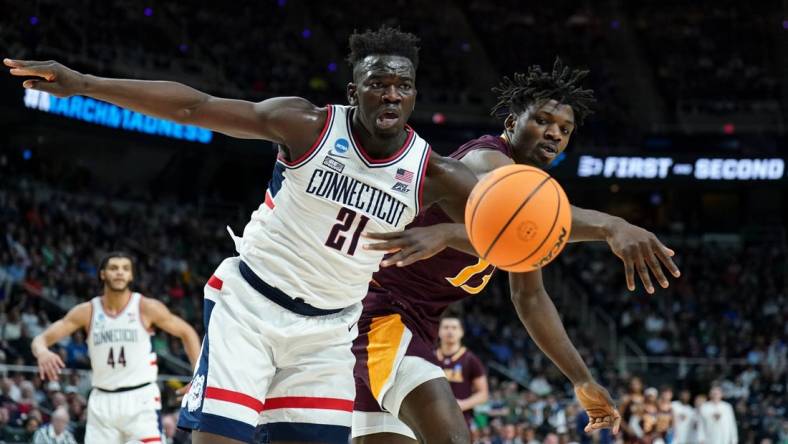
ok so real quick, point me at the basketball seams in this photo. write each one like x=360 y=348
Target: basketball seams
x=516 y=212
x=469 y=228
x=547 y=236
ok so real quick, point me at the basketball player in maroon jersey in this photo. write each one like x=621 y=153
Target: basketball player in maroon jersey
x=400 y=396
x=464 y=371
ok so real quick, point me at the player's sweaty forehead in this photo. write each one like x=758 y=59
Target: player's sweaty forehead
x=384 y=66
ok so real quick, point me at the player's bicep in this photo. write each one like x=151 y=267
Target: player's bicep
x=277 y=119
x=161 y=317
x=76 y=318
x=449 y=182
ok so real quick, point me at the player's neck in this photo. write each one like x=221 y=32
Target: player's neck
x=115 y=301
x=449 y=350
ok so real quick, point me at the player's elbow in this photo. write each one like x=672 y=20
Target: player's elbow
x=186 y=115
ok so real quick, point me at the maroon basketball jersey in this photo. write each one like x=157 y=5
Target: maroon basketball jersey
x=461 y=369
x=422 y=291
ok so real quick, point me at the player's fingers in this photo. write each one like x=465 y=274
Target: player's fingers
x=21 y=63
x=417 y=255
x=44 y=73
x=59 y=362
x=382 y=236
x=629 y=272
x=389 y=246
x=403 y=254
x=51 y=373
x=395 y=258
x=616 y=423
x=665 y=254
x=642 y=270
x=588 y=427
x=41 y=372
x=653 y=265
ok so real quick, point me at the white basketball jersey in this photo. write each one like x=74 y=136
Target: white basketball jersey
x=305 y=238
x=121 y=352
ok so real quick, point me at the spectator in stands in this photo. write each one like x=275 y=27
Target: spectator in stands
x=719 y=420
x=55 y=432
x=687 y=426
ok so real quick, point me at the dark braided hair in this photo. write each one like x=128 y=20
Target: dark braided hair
x=384 y=41
x=562 y=84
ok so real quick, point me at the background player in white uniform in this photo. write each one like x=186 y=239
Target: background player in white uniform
x=124 y=403
x=719 y=421
x=687 y=427
x=280 y=318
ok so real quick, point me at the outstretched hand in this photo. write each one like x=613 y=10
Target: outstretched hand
x=411 y=245
x=596 y=401
x=641 y=251
x=50 y=76
x=50 y=365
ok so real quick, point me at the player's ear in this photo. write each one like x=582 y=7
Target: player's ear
x=352 y=94
x=509 y=122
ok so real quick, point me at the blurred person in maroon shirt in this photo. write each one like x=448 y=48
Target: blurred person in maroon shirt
x=465 y=372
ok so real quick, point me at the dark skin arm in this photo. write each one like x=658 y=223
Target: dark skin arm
x=639 y=249
x=448 y=183
x=540 y=317
x=290 y=121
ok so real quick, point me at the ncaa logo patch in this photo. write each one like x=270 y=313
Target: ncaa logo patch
x=194 y=397
x=341 y=146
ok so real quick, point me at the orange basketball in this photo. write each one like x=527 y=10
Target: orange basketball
x=518 y=218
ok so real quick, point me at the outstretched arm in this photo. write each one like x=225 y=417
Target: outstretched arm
x=291 y=121
x=49 y=363
x=639 y=249
x=160 y=316
x=540 y=317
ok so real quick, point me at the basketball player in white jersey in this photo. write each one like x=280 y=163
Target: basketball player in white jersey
x=124 y=404
x=280 y=318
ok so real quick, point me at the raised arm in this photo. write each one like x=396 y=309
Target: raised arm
x=639 y=249
x=540 y=317
x=291 y=121
x=160 y=316
x=49 y=363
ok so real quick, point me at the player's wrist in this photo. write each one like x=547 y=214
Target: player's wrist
x=612 y=225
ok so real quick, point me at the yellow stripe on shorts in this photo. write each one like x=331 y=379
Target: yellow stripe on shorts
x=385 y=335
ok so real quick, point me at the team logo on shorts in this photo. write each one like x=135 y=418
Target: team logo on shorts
x=194 y=397
x=341 y=146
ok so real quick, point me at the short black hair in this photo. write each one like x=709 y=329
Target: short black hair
x=112 y=255
x=385 y=41
x=562 y=84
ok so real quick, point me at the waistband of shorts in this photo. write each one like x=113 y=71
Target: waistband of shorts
x=123 y=389
x=279 y=297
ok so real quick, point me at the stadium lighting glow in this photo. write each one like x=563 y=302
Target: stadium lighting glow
x=148 y=12
x=33 y=20
x=332 y=67
x=106 y=114
x=306 y=33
